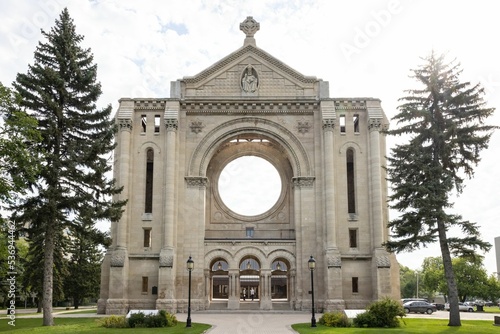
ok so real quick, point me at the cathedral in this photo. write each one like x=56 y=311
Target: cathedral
x=329 y=154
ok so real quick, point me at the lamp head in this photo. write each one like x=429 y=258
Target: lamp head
x=190 y=264
x=311 y=263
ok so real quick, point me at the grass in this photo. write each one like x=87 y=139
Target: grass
x=410 y=326
x=90 y=325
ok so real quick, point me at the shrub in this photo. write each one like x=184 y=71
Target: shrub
x=171 y=319
x=365 y=319
x=334 y=319
x=383 y=313
x=162 y=319
x=114 y=321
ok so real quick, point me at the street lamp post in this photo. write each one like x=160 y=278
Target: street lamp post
x=312 y=266
x=190 y=267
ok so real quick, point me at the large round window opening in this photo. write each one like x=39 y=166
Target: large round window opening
x=249 y=185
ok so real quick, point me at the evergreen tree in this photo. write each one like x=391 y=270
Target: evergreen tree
x=84 y=266
x=19 y=161
x=60 y=90
x=444 y=122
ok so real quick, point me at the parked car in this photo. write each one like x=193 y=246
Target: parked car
x=466 y=307
x=419 y=307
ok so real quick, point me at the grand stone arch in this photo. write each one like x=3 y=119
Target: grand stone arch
x=251 y=125
x=249 y=103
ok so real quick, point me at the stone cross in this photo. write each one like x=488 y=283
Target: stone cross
x=249 y=26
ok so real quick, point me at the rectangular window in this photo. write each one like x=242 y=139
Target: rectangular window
x=355 y=120
x=144 y=122
x=355 y=287
x=144 y=285
x=249 y=232
x=342 y=123
x=353 y=238
x=147 y=237
x=157 y=123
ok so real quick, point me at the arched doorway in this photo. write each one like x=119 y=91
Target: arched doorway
x=249 y=279
x=279 y=280
x=220 y=279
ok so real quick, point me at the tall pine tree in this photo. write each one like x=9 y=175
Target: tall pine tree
x=60 y=90
x=444 y=122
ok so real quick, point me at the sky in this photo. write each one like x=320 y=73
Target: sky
x=362 y=48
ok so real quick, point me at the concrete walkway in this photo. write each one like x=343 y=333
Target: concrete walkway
x=249 y=323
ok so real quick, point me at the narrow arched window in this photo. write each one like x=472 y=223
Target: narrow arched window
x=351 y=196
x=148 y=207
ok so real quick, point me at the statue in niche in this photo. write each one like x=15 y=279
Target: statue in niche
x=250 y=81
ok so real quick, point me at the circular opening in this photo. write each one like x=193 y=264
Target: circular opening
x=249 y=185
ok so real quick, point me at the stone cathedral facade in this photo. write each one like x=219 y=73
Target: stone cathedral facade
x=329 y=153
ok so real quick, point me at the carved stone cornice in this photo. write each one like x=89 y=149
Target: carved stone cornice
x=149 y=104
x=235 y=107
x=303 y=181
x=125 y=124
x=196 y=181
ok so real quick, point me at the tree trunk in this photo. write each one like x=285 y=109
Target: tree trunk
x=76 y=300
x=39 y=303
x=454 y=319
x=48 y=274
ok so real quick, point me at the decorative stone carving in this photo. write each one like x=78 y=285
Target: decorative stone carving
x=334 y=262
x=383 y=262
x=196 y=126
x=303 y=126
x=303 y=181
x=196 y=181
x=125 y=124
x=166 y=260
x=171 y=124
x=328 y=124
x=249 y=80
x=249 y=26
x=118 y=258
x=375 y=124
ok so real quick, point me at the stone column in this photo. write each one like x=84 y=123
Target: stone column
x=375 y=165
x=333 y=277
x=166 y=276
x=233 y=302
x=265 y=289
x=292 y=286
x=117 y=302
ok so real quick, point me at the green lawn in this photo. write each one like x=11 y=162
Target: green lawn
x=410 y=326
x=90 y=325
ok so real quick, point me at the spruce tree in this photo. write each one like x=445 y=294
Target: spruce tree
x=84 y=266
x=443 y=122
x=60 y=90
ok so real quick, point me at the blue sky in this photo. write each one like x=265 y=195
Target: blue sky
x=363 y=48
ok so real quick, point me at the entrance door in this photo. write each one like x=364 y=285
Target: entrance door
x=249 y=280
x=220 y=280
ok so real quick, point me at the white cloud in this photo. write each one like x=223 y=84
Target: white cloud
x=137 y=56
